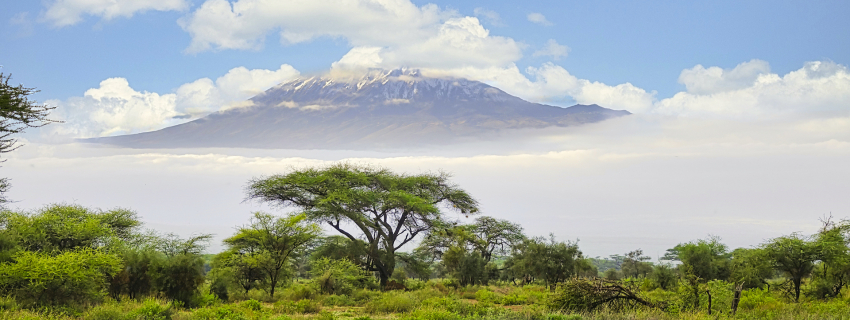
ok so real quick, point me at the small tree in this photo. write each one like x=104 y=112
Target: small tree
x=706 y=259
x=181 y=272
x=17 y=113
x=750 y=267
x=386 y=209
x=635 y=265
x=270 y=241
x=833 y=272
x=794 y=256
x=550 y=260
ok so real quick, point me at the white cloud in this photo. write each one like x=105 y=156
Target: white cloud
x=818 y=89
x=69 y=12
x=553 y=49
x=242 y=24
x=421 y=36
x=551 y=83
x=230 y=90
x=489 y=16
x=701 y=80
x=538 y=18
x=116 y=108
x=113 y=108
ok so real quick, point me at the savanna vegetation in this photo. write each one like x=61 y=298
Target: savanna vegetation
x=361 y=242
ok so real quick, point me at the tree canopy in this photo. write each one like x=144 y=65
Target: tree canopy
x=385 y=209
x=17 y=113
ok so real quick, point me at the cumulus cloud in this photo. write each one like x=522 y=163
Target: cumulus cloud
x=113 y=108
x=230 y=90
x=116 y=108
x=242 y=24
x=553 y=49
x=63 y=13
x=551 y=83
x=538 y=18
x=422 y=36
x=701 y=80
x=818 y=89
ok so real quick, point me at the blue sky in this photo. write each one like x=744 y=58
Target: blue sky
x=644 y=43
x=741 y=124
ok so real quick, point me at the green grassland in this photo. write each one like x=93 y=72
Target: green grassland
x=437 y=299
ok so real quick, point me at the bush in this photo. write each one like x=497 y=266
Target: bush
x=299 y=292
x=757 y=299
x=335 y=300
x=484 y=295
x=38 y=278
x=307 y=306
x=252 y=305
x=431 y=314
x=226 y=312
x=302 y=306
x=339 y=276
x=105 y=312
x=153 y=310
x=392 y=302
x=180 y=276
x=8 y=304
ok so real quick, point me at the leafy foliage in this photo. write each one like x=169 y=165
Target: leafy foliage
x=339 y=276
x=77 y=276
x=267 y=243
x=550 y=260
x=388 y=210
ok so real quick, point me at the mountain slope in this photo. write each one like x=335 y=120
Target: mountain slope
x=381 y=109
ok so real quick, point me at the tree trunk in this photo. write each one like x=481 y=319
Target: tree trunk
x=273 y=282
x=736 y=298
x=797 y=290
x=384 y=279
x=709 y=301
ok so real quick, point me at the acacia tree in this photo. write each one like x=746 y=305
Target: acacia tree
x=550 y=260
x=17 y=113
x=384 y=209
x=794 y=256
x=268 y=242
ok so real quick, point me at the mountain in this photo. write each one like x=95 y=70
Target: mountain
x=382 y=109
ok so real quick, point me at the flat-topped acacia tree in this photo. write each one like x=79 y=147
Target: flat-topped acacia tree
x=384 y=209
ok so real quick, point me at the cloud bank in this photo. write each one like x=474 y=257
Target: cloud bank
x=62 y=13
x=116 y=108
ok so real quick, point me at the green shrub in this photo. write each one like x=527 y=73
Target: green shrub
x=324 y=315
x=8 y=304
x=300 y=291
x=152 y=309
x=225 y=312
x=301 y=306
x=307 y=306
x=757 y=299
x=363 y=295
x=78 y=277
x=392 y=302
x=180 y=277
x=335 y=300
x=109 y=311
x=415 y=284
x=431 y=314
x=484 y=295
x=339 y=276
x=252 y=305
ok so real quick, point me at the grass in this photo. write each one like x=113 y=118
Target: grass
x=432 y=301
